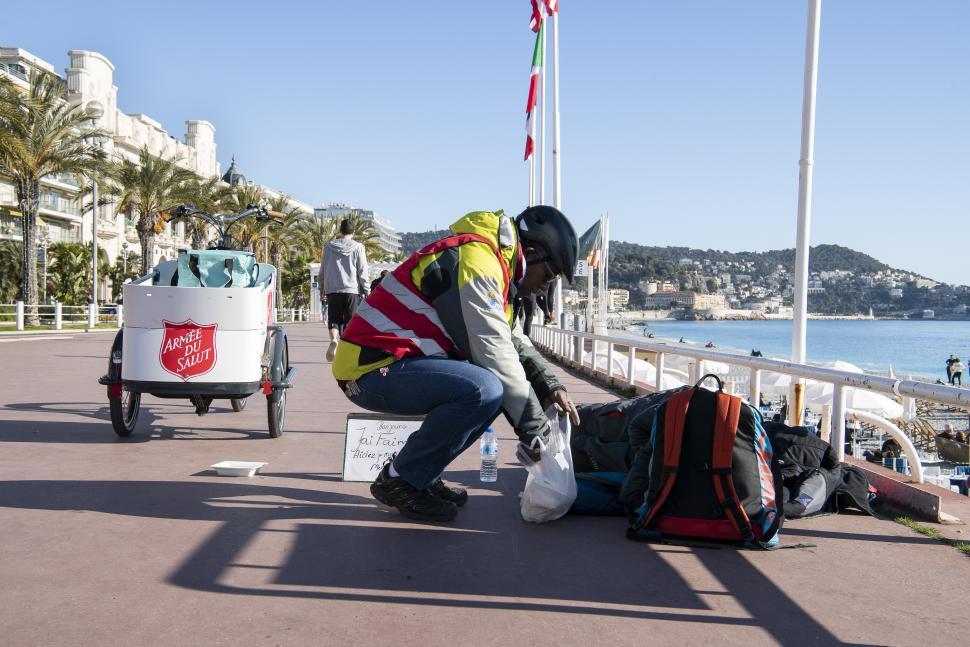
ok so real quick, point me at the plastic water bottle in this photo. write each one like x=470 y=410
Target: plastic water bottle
x=489 y=448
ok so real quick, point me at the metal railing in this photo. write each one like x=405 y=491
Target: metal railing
x=58 y=316
x=571 y=346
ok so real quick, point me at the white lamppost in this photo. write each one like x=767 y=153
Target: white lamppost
x=805 y=163
x=124 y=257
x=94 y=111
x=44 y=241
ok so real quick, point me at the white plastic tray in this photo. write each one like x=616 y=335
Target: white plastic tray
x=237 y=468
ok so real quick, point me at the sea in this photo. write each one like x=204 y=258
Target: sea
x=917 y=348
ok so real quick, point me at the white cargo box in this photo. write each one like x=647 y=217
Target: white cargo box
x=195 y=334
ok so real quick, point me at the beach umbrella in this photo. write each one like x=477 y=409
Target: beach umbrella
x=643 y=370
x=680 y=363
x=818 y=394
x=775 y=383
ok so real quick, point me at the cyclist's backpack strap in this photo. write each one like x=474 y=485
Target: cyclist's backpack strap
x=727 y=412
x=674 y=418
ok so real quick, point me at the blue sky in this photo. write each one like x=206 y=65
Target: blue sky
x=681 y=119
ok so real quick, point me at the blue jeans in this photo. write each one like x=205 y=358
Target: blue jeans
x=459 y=401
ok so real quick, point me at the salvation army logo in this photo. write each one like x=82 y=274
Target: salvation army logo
x=188 y=349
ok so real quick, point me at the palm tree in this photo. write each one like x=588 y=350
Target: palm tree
x=41 y=135
x=207 y=196
x=283 y=236
x=314 y=232
x=247 y=232
x=147 y=188
x=366 y=233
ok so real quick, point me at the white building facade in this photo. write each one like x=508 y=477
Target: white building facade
x=89 y=80
x=390 y=239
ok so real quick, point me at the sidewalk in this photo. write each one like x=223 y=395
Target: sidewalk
x=136 y=542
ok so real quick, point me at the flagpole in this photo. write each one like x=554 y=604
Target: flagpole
x=556 y=185
x=541 y=144
x=805 y=169
x=532 y=180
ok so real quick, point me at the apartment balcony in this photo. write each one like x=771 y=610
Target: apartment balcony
x=62 y=180
x=60 y=207
x=15 y=70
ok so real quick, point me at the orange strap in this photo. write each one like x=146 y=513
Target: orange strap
x=674 y=418
x=727 y=412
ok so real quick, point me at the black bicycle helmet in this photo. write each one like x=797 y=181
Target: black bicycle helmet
x=546 y=227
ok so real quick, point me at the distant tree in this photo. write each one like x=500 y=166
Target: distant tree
x=69 y=272
x=121 y=271
x=10 y=265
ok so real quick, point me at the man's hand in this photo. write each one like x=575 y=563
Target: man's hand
x=563 y=403
x=531 y=452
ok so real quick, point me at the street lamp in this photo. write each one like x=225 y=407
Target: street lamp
x=94 y=111
x=124 y=256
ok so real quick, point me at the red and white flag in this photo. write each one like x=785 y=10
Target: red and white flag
x=530 y=106
x=541 y=9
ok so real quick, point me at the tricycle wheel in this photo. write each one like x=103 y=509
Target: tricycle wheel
x=277 y=412
x=276 y=401
x=238 y=404
x=124 y=412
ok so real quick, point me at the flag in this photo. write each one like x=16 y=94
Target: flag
x=530 y=106
x=541 y=9
x=589 y=245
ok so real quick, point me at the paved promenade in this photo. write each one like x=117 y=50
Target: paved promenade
x=107 y=541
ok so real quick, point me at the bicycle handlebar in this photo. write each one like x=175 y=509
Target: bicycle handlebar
x=223 y=223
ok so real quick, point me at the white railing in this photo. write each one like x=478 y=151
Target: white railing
x=290 y=315
x=571 y=346
x=58 y=316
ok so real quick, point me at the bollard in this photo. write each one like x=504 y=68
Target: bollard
x=92 y=315
x=58 y=316
x=631 y=366
x=20 y=315
x=120 y=311
x=661 y=360
x=754 y=388
x=838 y=421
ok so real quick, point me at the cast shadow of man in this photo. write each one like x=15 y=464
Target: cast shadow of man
x=343 y=547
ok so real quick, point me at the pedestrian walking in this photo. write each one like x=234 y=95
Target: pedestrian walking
x=949 y=369
x=344 y=269
x=438 y=337
x=956 y=372
x=377 y=281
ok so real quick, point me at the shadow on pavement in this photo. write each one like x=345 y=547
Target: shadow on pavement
x=339 y=546
x=21 y=431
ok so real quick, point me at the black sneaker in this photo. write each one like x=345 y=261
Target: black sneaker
x=442 y=490
x=413 y=503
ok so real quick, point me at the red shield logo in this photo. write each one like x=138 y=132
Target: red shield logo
x=188 y=349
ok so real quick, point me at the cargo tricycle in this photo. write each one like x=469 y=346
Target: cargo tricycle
x=201 y=327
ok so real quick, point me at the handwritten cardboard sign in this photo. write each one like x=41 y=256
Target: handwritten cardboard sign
x=370 y=441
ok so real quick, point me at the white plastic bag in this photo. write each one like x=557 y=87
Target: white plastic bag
x=550 y=489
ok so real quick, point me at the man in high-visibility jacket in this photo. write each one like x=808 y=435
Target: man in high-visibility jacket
x=438 y=338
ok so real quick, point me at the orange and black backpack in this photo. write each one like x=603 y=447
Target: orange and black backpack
x=712 y=474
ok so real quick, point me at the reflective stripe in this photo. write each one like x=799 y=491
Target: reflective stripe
x=379 y=321
x=410 y=300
